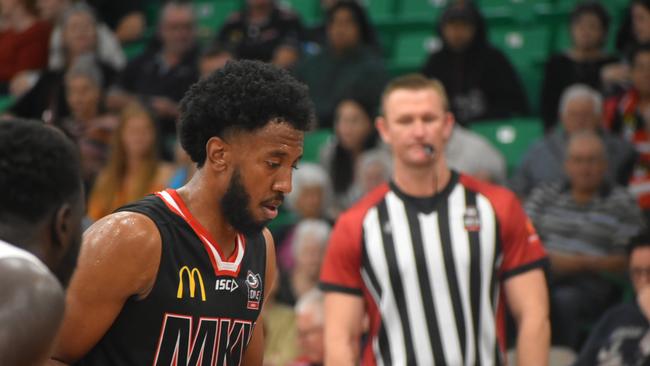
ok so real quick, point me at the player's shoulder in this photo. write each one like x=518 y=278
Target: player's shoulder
x=124 y=233
x=358 y=211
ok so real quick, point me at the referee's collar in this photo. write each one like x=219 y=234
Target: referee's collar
x=430 y=203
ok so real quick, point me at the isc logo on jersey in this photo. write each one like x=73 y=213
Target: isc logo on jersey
x=226 y=284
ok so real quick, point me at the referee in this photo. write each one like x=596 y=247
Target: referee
x=433 y=257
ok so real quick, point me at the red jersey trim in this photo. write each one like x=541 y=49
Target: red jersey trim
x=227 y=267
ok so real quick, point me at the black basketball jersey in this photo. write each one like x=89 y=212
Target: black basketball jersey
x=203 y=307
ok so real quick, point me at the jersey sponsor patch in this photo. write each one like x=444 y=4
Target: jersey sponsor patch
x=226 y=284
x=254 y=284
x=471 y=219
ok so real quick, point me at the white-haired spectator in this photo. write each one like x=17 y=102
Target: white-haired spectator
x=373 y=168
x=470 y=153
x=581 y=109
x=78 y=31
x=83 y=91
x=311 y=192
x=308 y=248
x=309 y=322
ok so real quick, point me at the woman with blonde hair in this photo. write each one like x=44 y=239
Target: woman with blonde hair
x=133 y=169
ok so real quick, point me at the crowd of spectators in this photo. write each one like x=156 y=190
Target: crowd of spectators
x=585 y=184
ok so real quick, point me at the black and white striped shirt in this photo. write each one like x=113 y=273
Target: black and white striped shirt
x=429 y=270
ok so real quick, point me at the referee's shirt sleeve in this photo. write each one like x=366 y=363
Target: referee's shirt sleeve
x=522 y=248
x=341 y=269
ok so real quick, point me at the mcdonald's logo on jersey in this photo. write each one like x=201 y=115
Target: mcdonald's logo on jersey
x=192 y=276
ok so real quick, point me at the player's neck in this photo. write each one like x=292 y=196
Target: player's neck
x=421 y=182
x=202 y=201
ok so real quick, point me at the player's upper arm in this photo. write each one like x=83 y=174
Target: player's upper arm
x=119 y=258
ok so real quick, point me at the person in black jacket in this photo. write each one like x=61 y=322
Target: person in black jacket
x=479 y=79
x=580 y=64
x=622 y=335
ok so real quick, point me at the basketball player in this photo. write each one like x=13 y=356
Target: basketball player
x=180 y=277
x=41 y=206
x=430 y=255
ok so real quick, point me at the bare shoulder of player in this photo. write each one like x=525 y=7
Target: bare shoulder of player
x=126 y=244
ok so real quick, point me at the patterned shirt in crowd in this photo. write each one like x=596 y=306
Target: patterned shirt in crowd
x=429 y=270
x=622 y=116
x=601 y=227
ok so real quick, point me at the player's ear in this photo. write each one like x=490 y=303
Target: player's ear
x=218 y=153
x=63 y=227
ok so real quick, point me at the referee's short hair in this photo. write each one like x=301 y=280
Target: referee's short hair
x=415 y=82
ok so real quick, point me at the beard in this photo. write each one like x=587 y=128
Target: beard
x=235 y=207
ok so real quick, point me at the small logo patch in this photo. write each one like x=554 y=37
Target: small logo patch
x=254 y=284
x=471 y=219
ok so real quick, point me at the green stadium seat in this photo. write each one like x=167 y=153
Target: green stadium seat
x=411 y=50
x=428 y=10
x=527 y=49
x=211 y=14
x=515 y=10
x=524 y=46
x=512 y=137
x=285 y=218
x=134 y=49
x=381 y=10
x=6 y=101
x=314 y=142
x=616 y=8
x=309 y=10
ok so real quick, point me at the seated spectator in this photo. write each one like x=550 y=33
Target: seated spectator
x=580 y=109
x=286 y=55
x=584 y=223
x=635 y=29
x=23 y=40
x=84 y=32
x=308 y=246
x=627 y=114
x=281 y=343
x=580 y=64
x=259 y=29
x=83 y=91
x=310 y=326
x=622 y=335
x=310 y=198
x=94 y=148
x=133 y=169
x=634 y=32
x=349 y=62
x=373 y=167
x=479 y=79
x=213 y=58
x=161 y=76
x=354 y=133
x=472 y=154
x=46 y=100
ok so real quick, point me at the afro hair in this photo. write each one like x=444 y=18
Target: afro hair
x=242 y=96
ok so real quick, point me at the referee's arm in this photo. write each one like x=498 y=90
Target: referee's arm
x=528 y=302
x=343 y=326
